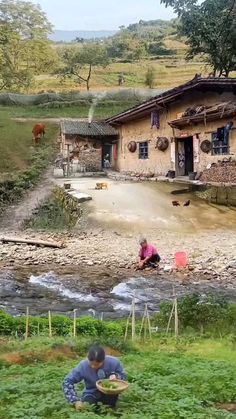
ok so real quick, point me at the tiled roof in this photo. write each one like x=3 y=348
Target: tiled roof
x=86 y=129
x=205 y=113
x=159 y=102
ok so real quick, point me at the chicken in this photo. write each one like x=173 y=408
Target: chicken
x=175 y=203
x=187 y=203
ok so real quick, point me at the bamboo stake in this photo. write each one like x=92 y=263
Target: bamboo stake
x=27 y=324
x=171 y=315
x=142 y=323
x=38 y=329
x=127 y=326
x=133 y=320
x=149 y=324
x=50 y=323
x=74 y=323
x=176 y=319
x=145 y=323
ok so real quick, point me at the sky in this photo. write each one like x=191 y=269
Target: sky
x=101 y=14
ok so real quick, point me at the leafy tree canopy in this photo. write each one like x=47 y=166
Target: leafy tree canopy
x=210 y=28
x=24 y=48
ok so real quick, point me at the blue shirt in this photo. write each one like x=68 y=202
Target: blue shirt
x=84 y=372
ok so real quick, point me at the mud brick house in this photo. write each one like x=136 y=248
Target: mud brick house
x=86 y=144
x=183 y=130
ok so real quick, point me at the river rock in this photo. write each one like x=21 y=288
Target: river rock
x=90 y=263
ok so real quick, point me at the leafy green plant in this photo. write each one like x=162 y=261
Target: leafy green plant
x=163 y=385
x=61 y=326
x=202 y=314
x=61 y=211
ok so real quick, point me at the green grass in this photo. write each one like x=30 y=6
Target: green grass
x=166 y=382
x=18 y=128
x=16 y=145
x=170 y=71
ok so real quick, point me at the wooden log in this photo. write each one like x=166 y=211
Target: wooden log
x=32 y=242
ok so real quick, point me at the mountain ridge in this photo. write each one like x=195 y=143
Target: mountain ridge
x=70 y=35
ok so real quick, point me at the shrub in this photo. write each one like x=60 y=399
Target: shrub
x=61 y=211
x=61 y=326
x=210 y=313
x=150 y=77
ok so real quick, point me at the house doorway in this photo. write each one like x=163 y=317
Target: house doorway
x=107 y=159
x=184 y=158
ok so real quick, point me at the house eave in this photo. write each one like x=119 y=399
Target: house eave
x=162 y=100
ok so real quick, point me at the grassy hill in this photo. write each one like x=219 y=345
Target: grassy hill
x=190 y=379
x=16 y=146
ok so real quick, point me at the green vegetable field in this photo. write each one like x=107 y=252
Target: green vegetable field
x=167 y=380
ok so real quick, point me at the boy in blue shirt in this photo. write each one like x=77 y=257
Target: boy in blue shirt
x=98 y=366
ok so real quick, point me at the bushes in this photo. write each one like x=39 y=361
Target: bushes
x=61 y=326
x=201 y=314
x=61 y=211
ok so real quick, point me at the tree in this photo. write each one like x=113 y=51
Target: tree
x=210 y=28
x=24 y=48
x=79 y=63
x=126 y=46
x=25 y=18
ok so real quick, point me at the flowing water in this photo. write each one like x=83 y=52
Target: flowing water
x=62 y=293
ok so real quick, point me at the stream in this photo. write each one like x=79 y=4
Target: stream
x=108 y=298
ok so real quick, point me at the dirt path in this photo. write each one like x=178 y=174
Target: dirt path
x=18 y=213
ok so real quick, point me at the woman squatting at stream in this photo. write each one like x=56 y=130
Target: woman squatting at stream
x=148 y=255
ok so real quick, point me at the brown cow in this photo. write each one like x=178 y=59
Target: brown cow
x=38 y=132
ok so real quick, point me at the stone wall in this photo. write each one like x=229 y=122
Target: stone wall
x=223 y=195
x=86 y=153
x=91 y=160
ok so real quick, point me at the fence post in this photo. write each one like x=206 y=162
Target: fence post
x=133 y=320
x=176 y=318
x=27 y=324
x=74 y=323
x=50 y=324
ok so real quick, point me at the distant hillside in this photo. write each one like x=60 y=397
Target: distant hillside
x=151 y=29
x=69 y=36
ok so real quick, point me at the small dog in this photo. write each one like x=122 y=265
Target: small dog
x=101 y=185
x=175 y=203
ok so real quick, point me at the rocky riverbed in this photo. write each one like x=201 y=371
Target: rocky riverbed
x=211 y=254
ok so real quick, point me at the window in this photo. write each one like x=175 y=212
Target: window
x=220 y=142
x=143 y=150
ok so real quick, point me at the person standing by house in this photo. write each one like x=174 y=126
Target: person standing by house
x=96 y=367
x=148 y=255
x=106 y=162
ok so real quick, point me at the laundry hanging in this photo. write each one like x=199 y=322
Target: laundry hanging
x=155 y=119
